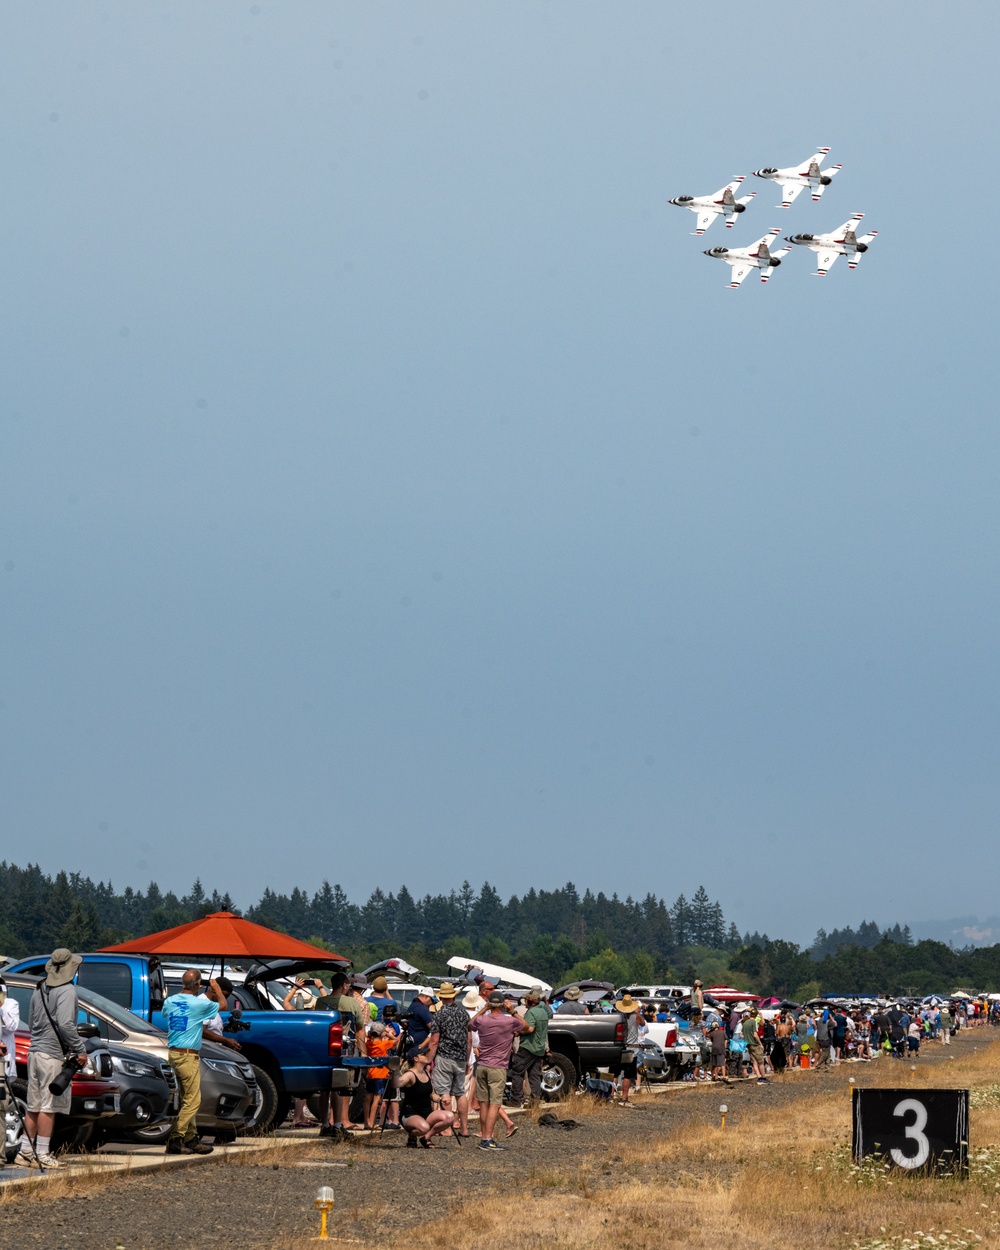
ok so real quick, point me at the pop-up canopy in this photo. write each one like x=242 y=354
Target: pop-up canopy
x=230 y=938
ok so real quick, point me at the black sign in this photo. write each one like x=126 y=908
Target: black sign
x=920 y=1130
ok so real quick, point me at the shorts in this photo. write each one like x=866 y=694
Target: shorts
x=718 y=1058
x=755 y=1054
x=448 y=1077
x=491 y=1084
x=375 y=1085
x=42 y=1070
x=630 y=1071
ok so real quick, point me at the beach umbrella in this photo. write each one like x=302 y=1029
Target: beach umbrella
x=226 y=937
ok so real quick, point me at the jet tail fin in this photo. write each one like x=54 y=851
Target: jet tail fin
x=855 y=260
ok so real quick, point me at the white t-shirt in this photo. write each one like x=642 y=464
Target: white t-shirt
x=10 y=1020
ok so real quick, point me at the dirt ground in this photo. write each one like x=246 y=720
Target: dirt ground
x=267 y=1199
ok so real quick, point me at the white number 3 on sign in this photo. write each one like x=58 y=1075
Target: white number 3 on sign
x=914 y=1131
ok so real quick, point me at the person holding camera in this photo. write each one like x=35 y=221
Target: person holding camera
x=57 y=1050
x=185 y=1014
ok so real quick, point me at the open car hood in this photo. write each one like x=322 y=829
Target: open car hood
x=275 y=969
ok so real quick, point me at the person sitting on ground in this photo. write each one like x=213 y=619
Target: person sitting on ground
x=420 y=1121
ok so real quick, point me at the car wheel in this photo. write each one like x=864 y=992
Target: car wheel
x=558 y=1077
x=12 y=1121
x=262 y=1115
x=153 y=1134
x=72 y=1137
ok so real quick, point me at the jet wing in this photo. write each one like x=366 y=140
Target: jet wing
x=789 y=192
x=705 y=218
x=815 y=159
x=826 y=260
x=740 y=271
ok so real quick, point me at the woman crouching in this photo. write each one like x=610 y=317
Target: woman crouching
x=420 y=1121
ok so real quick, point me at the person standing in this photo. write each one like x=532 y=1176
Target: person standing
x=526 y=1061
x=380 y=996
x=697 y=999
x=944 y=1019
x=496 y=1042
x=571 y=1005
x=629 y=1008
x=421 y=1021
x=185 y=1014
x=354 y=1018
x=755 y=1051
x=449 y=1049
x=55 y=1043
x=10 y=1022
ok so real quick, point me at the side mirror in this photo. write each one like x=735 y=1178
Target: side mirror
x=88 y=1030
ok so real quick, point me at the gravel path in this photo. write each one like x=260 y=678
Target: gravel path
x=381 y=1188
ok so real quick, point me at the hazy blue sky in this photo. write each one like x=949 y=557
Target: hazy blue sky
x=392 y=491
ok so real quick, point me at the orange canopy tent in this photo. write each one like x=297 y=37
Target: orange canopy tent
x=222 y=935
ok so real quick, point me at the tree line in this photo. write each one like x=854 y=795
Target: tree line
x=556 y=934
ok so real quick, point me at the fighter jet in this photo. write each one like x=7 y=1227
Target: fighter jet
x=843 y=241
x=722 y=203
x=757 y=256
x=798 y=177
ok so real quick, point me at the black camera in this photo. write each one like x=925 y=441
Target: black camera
x=233 y=1025
x=62 y=1081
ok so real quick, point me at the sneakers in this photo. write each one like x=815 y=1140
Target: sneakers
x=48 y=1162
x=192 y=1147
x=327 y=1130
x=489 y=1144
x=762 y=1080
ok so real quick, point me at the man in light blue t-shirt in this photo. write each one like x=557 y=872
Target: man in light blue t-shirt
x=185 y=1013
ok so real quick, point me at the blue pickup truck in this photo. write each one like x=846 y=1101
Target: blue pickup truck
x=293 y=1053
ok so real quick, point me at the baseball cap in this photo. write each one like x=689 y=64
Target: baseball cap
x=496 y=999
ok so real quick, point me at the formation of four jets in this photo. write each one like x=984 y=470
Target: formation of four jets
x=844 y=241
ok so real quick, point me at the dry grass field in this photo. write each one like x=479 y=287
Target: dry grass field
x=778 y=1174
x=778 y=1178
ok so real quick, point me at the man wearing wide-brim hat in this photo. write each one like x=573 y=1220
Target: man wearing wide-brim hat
x=54 y=1042
x=571 y=1005
x=629 y=1069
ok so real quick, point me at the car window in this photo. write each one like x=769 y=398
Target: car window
x=112 y=980
x=128 y=1020
x=108 y=1031
x=21 y=994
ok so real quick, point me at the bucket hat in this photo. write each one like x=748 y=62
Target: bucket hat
x=61 y=967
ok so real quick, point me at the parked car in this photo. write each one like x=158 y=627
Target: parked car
x=230 y=1098
x=293 y=1053
x=94 y=1096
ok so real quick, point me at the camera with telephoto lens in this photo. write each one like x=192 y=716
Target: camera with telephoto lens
x=62 y=1081
x=234 y=1025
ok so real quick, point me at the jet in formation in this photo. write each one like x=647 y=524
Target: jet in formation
x=797 y=178
x=843 y=241
x=722 y=204
x=757 y=256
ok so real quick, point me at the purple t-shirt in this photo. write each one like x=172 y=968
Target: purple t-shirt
x=496 y=1038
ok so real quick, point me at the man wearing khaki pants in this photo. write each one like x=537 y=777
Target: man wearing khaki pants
x=185 y=1013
